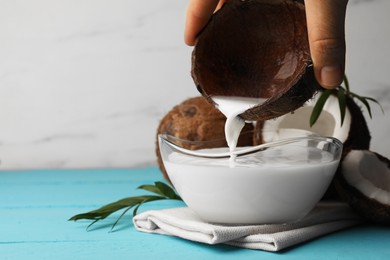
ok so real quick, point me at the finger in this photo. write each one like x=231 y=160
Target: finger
x=325 y=25
x=198 y=14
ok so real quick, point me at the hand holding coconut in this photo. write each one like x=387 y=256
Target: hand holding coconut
x=325 y=24
x=267 y=49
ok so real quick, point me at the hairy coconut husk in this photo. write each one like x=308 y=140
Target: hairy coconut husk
x=370 y=209
x=256 y=49
x=359 y=136
x=195 y=119
x=358 y=139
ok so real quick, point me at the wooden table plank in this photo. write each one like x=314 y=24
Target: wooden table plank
x=35 y=206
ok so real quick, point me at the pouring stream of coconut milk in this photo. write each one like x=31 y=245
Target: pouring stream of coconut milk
x=231 y=107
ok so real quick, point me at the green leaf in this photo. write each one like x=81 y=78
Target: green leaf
x=105 y=211
x=119 y=218
x=145 y=201
x=375 y=101
x=342 y=93
x=342 y=103
x=135 y=211
x=167 y=190
x=365 y=102
x=151 y=188
x=90 y=225
x=159 y=188
x=319 y=106
x=346 y=83
x=162 y=189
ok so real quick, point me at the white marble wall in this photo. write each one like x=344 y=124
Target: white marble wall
x=83 y=83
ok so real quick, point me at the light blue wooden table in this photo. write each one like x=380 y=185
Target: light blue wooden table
x=35 y=207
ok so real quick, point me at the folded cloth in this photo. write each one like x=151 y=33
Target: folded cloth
x=325 y=218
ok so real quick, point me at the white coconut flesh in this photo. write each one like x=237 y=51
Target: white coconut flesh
x=328 y=123
x=363 y=170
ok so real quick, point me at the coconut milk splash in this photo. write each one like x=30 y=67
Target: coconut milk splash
x=231 y=107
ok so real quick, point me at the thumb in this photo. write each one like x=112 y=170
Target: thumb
x=325 y=25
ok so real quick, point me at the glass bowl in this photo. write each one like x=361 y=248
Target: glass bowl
x=276 y=182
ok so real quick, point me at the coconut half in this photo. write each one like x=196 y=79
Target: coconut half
x=256 y=49
x=353 y=133
x=363 y=180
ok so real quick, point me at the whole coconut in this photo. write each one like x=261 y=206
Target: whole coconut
x=195 y=119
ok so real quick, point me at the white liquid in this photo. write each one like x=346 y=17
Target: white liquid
x=277 y=185
x=231 y=107
x=273 y=186
x=287 y=156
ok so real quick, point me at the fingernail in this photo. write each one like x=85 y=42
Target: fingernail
x=331 y=76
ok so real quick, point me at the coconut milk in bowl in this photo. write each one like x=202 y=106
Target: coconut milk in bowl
x=275 y=182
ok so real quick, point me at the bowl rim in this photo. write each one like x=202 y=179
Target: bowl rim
x=241 y=151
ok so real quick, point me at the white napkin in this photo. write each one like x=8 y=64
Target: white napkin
x=183 y=222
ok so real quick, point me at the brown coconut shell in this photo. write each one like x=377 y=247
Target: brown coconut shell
x=370 y=209
x=358 y=136
x=257 y=49
x=195 y=119
x=358 y=139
